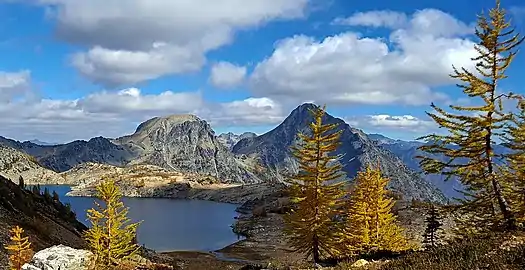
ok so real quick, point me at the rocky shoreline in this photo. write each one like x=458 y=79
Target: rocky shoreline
x=224 y=193
x=260 y=222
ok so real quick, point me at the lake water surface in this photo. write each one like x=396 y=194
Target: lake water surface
x=169 y=224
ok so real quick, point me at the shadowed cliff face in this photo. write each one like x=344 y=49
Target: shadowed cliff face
x=357 y=151
x=46 y=223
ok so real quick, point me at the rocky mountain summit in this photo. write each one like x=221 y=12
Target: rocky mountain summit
x=184 y=143
x=230 y=139
x=357 y=151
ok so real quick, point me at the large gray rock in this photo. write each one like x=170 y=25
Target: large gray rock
x=59 y=258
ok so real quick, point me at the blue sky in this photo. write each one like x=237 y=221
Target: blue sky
x=78 y=69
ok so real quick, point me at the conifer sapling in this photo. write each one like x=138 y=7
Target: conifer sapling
x=19 y=249
x=370 y=223
x=111 y=236
x=433 y=226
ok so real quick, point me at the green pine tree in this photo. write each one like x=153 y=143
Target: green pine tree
x=472 y=131
x=56 y=198
x=433 y=227
x=21 y=183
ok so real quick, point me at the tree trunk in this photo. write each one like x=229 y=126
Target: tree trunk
x=315 y=249
x=510 y=222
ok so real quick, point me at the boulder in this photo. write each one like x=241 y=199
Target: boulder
x=59 y=258
x=360 y=263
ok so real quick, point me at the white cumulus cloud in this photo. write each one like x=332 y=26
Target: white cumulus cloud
x=227 y=75
x=115 y=113
x=381 y=123
x=349 y=68
x=135 y=40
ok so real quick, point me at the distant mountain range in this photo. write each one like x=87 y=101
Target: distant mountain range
x=230 y=139
x=39 y=142
x=408 y=150
x=186 y=143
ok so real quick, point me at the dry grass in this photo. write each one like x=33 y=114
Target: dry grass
x=468 y=254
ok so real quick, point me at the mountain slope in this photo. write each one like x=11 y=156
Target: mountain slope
x=182 y=143
x=407 y=151
x=230 y=139
x=46 y=223
x=14 y=163
x=272 y=149
x=63 y=157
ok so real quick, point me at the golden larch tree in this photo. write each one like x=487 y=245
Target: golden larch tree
x=111 y=236
x=515 y=141
x=19 y=250
x=315 y=190
x=370 y=223
x=473 y=130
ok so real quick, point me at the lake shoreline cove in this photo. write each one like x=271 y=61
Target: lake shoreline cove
x=241 y=251
x=169 y=224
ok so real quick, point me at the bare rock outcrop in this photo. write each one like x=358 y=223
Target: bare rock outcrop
x=14 y=163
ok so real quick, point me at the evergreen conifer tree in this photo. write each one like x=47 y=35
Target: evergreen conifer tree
x=315 y=191
x=473 y=130
x=111 y=235
x=515 y=141
x=47 y=195
x=21 y=183
x=34 y=190
x=56 y=198
x=20 y=251
x=370 y=223
x=433 y=226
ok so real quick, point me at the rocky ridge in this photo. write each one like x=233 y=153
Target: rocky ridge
x=185 y=143
x=230 y=139
x=156 y=182
x=273 y=150
x=14 y=163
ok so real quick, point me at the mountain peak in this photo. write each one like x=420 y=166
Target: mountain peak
x=171 y=120
x=357 y=151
